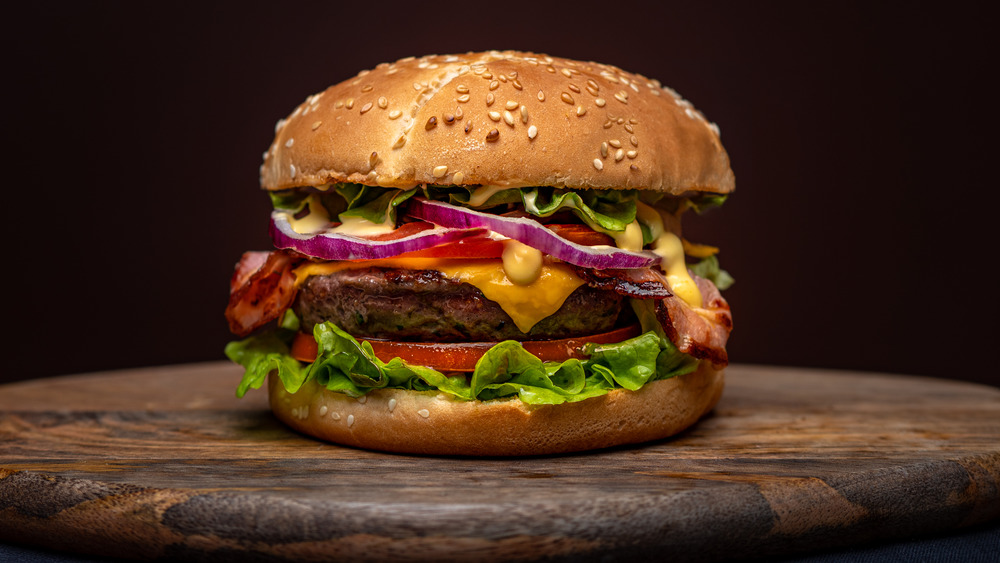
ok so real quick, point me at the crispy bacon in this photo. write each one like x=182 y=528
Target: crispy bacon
x=261 y=288
x=703 y=331
x=699 y=331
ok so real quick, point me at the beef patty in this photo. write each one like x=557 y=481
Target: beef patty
x=424 y=305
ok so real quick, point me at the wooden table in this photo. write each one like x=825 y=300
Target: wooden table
x=166 y=462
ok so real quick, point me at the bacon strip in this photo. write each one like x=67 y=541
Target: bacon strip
x=703 y=331
x=699 y=331
x=261 y=288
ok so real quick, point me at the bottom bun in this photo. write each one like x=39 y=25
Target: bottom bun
x=396 y=420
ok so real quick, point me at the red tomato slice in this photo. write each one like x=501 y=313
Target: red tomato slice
x=580 y=234
x=462 y=356
x=478 y=246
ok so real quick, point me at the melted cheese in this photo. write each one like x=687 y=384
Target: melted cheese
x=669 y=247
x=671 y=250
x=359 y=227
x=527 y=304
x=481 y=194
x=314 y=221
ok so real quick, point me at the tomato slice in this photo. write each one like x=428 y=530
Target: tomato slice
x=580 y=234
x=477 y=246
x=462 y=356
x=482 y=246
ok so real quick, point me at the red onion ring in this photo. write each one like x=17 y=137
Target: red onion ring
x=532 y=233
x=337 y=246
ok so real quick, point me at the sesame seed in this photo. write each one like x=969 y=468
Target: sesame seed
x=620 y=120
x=492 y=136
x=291 y=170
x=335 y=416
x=622 y=96
x=508 y=118
x=615 y=143
x=424 y=413
x=631 y=154
x=350 y=103
x=459 y=113
x=494 y=115
x=350 y=420
x=478 y=69
x=608 y=124
x=339 y=104
x=316 y=125
x=431 y=123
x=634 y=141
x=566 y=97
x=363 y=399
x=367 y=88
x=598 y=164
x=394 y=114
x=550 y=69
x=511 y=104
x=490 y=99
x=541 y=96
x=566 y=72
x=468 y=127
x=278 y=125
x=392 y=405
x=580 y=110
x=488 y=75
x=289 y=143
x=373 y=159
x=633 y=121
x=619 y=154
x=524 y=114
x=591 y=91
x=440 y=171
x=462 y=89
x=715 y=129
x=517 y=84
x=502 y=78
x=449 y=119
x=417 y=86
x=323 y=410
x=574 y=88
x=382 y=102
x=532 y=132
x=399 y=142
x=457 y=177
x=463 y=98
x=634 y=87
x=633 y=168
x=628 y=127
x=591 y=83
x=366 y=107
x=604 y=149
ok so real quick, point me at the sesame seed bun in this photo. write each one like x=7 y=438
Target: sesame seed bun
x=498 y=118
x=430 y=423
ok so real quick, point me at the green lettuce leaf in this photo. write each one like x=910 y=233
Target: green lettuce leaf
x=709 y=269
x=506 y=370
x=602 y=210
x=372 y=203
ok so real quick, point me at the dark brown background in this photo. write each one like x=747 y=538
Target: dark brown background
x=862 y=233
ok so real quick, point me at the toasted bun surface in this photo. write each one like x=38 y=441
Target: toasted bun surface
x=430 y=423
x=498 y=118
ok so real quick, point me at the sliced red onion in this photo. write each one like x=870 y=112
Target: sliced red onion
x=532 y=233
x=338 y=246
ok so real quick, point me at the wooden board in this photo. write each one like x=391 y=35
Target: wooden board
x=165 y=462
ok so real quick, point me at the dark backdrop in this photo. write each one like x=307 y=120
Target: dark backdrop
x=862 y=232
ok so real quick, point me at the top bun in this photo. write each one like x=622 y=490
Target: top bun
x=499 y=118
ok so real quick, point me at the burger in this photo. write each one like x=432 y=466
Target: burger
x=482 y=254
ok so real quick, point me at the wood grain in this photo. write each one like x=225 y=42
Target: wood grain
x=167 y=463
